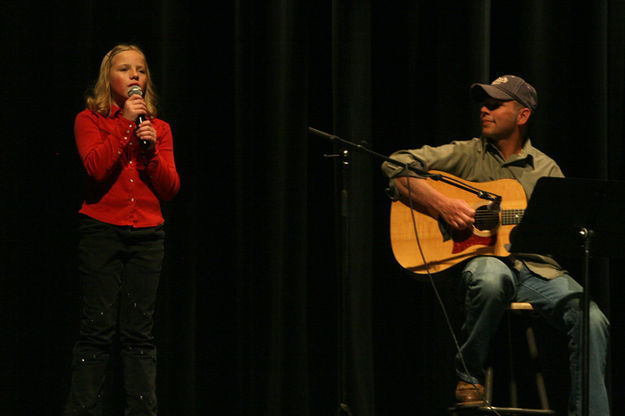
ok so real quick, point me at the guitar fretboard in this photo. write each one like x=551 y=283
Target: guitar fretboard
x=511 y=216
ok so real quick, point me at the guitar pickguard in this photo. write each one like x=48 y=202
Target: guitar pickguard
x=474 y=240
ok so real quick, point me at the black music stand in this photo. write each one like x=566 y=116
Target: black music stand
x=562 y=217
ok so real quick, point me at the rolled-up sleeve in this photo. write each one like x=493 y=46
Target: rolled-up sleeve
x=451 y=158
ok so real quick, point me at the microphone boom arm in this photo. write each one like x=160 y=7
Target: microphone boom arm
x=437 y=177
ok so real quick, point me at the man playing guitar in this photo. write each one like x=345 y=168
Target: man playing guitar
x=504 y=152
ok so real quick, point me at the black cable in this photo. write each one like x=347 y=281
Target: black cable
x=439 y=299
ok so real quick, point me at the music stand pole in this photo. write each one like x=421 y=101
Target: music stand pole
x=547 y=228
x=586 y=235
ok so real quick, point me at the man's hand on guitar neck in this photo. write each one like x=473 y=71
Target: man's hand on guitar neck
x=455 y=212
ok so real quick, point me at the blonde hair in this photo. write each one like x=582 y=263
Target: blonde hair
x=100 y=98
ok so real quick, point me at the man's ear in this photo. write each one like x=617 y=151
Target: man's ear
x=523 y=116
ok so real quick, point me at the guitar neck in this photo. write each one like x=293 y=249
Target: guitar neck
x=511 y=216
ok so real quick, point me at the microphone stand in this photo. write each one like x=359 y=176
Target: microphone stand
x=343 y=407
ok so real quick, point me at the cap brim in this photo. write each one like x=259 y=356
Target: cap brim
x=480 y=91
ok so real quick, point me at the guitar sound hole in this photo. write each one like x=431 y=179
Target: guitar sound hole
x=486 y=219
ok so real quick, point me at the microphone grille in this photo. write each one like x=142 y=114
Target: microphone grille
x=135 y=90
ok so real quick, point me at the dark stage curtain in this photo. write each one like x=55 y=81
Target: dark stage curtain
x=280 y=294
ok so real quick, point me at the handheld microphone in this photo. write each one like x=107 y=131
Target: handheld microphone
x=136 y=90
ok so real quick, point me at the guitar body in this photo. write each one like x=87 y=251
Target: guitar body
x=442 y=248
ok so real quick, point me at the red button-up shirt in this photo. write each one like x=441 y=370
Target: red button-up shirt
x=124 y=185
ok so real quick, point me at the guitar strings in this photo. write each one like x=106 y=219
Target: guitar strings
x=440 y=300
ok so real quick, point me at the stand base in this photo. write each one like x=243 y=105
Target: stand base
x=493 y=410
x=343 y=410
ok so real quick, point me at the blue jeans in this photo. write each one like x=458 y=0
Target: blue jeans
x=491 y=285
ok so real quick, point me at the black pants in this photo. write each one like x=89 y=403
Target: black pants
x=120 y=269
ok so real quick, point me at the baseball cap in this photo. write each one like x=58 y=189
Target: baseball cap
x=506 y=88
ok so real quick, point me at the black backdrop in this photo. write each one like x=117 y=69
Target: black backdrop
x=255 y=286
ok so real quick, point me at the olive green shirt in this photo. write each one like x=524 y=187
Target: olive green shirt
x=477 y=160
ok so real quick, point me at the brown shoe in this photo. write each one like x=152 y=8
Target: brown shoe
x=468 y=394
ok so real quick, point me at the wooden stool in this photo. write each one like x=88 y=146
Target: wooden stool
x=495 y=410
x=514 y=307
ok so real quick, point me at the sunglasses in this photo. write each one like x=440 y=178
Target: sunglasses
x=492 y=104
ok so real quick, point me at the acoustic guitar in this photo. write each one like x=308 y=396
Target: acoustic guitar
x=444 y=248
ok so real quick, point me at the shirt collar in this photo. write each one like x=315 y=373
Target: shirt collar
x=115 y=111
x=527 y=155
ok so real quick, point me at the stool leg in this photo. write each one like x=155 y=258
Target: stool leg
x=488 y=385
x=514 y=400
x=540 y=382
